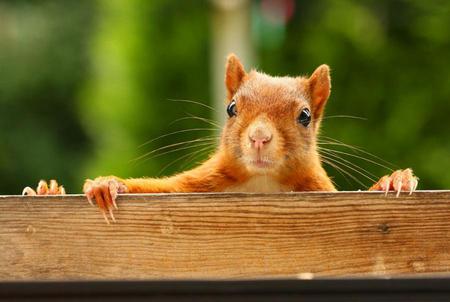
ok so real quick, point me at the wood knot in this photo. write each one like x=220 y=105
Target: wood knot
x=384 y=228
x=30 y=229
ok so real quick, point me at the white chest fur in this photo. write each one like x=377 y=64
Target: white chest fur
x=259 y=184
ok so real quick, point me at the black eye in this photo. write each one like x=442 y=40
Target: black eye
x=231 y=109
x=305 y=117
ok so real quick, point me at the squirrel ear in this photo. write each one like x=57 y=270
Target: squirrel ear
x=319 y=89
x=234 y=75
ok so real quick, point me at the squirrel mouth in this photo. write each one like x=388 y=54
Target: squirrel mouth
x=261 y=163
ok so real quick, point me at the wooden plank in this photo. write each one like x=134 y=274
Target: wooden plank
x=226 y=236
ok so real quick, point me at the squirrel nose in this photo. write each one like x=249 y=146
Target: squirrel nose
x=259 y=138
x=259 y=143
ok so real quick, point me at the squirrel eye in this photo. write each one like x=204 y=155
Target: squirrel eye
x=231 y=109
x=305 y=117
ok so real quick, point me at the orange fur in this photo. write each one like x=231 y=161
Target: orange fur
x=273 y=104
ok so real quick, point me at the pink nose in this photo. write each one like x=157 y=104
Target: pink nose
x=258 y=142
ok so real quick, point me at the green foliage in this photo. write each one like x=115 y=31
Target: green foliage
x=145 y=53
x=43 y=63
x=84 y=83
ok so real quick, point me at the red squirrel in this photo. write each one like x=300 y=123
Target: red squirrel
x=268 y=144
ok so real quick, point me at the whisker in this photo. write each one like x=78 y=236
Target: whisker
x=344 y=171
x=212 y=122
x=196 y=154
x=346 y=116
x=357 y=156
x=195 y=118
x=336 y=168
x=175 y=132
x=183 y=157
x=192 y=102
x=181 y=148
x=334 y=141
x=174 y=145
x=347 y=161
x=351 y=166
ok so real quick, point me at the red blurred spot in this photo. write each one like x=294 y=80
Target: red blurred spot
x=278 y=11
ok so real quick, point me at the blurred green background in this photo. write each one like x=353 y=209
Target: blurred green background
x=83 y=84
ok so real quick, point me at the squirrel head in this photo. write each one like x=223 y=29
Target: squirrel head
x=273 y=121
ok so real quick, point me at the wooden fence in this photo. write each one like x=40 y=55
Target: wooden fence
x=223 y=236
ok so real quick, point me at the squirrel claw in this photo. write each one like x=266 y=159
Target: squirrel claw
x=413 y=185
x=44 y=189
x=105 y=217
x=112 y=215
x=398 y=181
x=28 y=191
x=89 y=199
x=104 y=190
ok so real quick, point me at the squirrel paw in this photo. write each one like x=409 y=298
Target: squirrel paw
x=104 y=191
x=400 y=180
x=44 y=189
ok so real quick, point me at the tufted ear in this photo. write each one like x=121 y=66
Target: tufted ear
x=319 y=89
x=234 y=75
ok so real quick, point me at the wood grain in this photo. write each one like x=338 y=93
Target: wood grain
x=223 y=236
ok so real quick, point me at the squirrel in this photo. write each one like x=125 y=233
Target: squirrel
x=268 y=144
